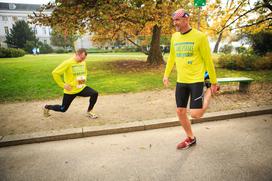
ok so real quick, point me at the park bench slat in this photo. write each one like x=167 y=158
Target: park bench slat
x=244 y=82
x=234 y=79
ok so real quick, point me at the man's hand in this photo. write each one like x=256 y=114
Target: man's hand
x=214 y=88
x=165 y=81
x=67 y=87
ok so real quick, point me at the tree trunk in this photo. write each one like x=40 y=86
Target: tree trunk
x=155 y=54
x=215 y=50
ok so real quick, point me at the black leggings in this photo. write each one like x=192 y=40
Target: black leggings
x=68 y=98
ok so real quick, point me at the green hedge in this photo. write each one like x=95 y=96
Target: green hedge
x=11 y=52
x=98 y=50
x=61 y=50
x=245 y=62
x=127 y=49
x=124 y=49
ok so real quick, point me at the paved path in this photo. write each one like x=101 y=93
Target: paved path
x=237 y=149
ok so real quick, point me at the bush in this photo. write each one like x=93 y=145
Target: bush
x=107 y=50
x=98 y=50
x=45 y=48
x=245 y=62
x=127 y=49
x=261 y=42
x=226 y=49
x=11 y=52
x=264 y=62
x=240 y=50
x=29 y=46
x=60 y=50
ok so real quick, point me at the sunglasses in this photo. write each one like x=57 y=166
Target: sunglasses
x=185 y=15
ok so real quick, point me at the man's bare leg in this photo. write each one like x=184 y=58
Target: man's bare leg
x=185 y=122
x=198 y=113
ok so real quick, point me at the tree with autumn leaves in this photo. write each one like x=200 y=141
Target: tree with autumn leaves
x=239 y=16
x=113 y=19
x=130 y=19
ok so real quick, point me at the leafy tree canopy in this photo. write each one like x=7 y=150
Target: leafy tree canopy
x=114 y=20
x=238 y=16
x=261 y=42
x=128 y=19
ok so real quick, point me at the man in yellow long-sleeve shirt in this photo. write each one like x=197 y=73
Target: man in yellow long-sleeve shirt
x=190 y=51
x=74 y=72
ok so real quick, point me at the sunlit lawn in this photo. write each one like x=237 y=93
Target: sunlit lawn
x=29 y=77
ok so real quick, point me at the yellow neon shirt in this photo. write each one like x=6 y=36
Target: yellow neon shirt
x=74 y=74
x=192 y=55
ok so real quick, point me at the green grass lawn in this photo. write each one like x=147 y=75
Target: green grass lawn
x=29 y=77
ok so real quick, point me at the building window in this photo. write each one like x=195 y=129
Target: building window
x=4 y=18
x=12 y=6
x=45 y=41
x=6 y=30
x=44 y=31
x=14 y=18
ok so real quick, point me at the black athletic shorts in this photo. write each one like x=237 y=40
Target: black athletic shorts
x=194 y=91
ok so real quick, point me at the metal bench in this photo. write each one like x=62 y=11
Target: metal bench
x=244 y=82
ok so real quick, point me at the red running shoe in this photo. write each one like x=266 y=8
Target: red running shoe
x=186 y=143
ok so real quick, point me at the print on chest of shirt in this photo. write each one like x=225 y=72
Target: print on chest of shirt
x=184 y=49
x=78 y=70
x=79 y=73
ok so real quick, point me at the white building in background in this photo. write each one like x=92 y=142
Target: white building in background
x=12 y=12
